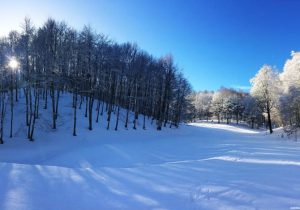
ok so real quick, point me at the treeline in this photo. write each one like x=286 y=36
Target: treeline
x=227 y=105
x=274 y=99
x=102 y=75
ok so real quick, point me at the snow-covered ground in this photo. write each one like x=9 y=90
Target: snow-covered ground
x=198 y=166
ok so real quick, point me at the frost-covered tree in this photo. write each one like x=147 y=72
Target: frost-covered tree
x=290 y=99
x=202 y=102
x=237 y=104
x=217 y=104
x=265 y=89
x=290 y=76
x=228 y=104
x=252 y=112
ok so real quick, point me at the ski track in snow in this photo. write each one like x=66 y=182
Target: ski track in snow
x=199 y=166
x=255 y=161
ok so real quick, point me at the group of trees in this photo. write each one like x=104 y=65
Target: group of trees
x=103 y=76
x=274 y=99
x=227 y=105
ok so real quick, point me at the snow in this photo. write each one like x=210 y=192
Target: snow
x=198 y=166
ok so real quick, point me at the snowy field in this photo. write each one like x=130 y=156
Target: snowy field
x=199 y=166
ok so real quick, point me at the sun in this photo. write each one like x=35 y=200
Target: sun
x=13 y=63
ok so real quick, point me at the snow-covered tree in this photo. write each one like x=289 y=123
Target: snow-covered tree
x=290 y=99
x=252 y=112
x=202 y=102
x=265 y=89
x=217 y=104
x=228 y=104
x=237 y=104
x=290 y=76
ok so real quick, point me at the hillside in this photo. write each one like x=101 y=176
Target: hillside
x=198 y=166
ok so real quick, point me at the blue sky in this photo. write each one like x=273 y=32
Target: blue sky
x=216 y=42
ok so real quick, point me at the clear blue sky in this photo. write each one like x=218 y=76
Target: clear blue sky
x=215 y=42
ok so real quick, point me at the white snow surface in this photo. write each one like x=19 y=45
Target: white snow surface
x=198 y=166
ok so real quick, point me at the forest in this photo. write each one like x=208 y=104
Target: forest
x=273 y=100
x=107 y=77
x=103 y=77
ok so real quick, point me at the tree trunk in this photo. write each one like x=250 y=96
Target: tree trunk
x=128 y=107
x=52 y=93
x=3 y=109
x=17 y=97
x=86 y=106
x=57 y=100
x=11 y=109
x=91 y=103
x=75 y=112
x=46 y=99
x=30 y=114
x=36 y=99
x=117 y=121
x=269 y=118
x=98 y=111
x=27 y=106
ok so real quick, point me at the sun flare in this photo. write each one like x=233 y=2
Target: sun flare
x=13 y=63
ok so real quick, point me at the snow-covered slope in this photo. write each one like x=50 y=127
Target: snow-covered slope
x=198 y=166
